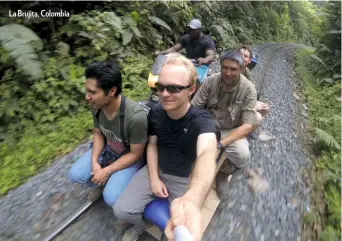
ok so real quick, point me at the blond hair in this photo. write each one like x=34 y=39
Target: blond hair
x=180 y=60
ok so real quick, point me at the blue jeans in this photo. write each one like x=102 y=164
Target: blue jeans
x=117 y=182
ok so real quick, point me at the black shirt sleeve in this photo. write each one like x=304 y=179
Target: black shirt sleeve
x=210 y=45
x=206 y=124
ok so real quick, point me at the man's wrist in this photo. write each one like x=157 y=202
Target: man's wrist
x=220 y=145
x=154 y=177
x=109 y=169
x=94 y=161
x=192 y=197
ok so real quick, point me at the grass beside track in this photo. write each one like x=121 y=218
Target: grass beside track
x=38 y=147
x=324 y=104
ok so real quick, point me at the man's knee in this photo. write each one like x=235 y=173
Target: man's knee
x=120 y=211
x=262 y=108
x=76 y=175
x=259 y=118
x=81 y=168
x=110 y=196
x=241 y=155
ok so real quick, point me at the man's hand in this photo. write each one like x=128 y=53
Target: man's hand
x=184 y=212
x=158 y=188
x=202 y=60
x=159 y=52
x=100 y=177
x=95 y=167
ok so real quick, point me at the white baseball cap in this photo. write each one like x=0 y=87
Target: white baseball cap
x=195 y=24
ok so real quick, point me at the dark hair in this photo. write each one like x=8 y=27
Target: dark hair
x=107 y=75
x=232 y=54
x=246 y=47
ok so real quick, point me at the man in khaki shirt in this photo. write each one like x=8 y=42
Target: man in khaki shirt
x=231 y=99
x=261 y=107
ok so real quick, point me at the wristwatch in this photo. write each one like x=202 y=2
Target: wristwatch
x=219 y=145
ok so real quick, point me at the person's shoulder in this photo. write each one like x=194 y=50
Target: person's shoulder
x=200 y=114
x=244 y=82
x=156 y=111
x=207 y=37
x=135 y=109
x=214 y=77
x=185 y=37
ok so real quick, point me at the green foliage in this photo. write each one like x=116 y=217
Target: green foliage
x=22 y=45
x=59 y=93
x=325 y=120
x=39 y=146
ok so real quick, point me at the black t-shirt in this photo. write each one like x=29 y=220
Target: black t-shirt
x=177 y=139
x=196 y=48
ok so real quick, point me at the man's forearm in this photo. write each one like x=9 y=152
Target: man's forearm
x=152 y=161
x=98 y=145
x=123 y=162
x=210 y=58
x=238 y=134
x=202 y=178
x=169 y=50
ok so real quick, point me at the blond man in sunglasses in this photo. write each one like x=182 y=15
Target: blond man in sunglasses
x=181 y=155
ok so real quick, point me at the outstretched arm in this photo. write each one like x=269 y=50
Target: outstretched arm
x=186 y=210
x=204 y=171
x=210 y=56
x=173 y=49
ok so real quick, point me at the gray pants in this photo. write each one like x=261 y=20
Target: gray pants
x=131 y=203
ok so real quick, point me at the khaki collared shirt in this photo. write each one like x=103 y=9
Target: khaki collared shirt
x=230 y=109
x=247 y=73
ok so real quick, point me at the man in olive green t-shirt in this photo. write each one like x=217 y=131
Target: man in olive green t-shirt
x=117 y=149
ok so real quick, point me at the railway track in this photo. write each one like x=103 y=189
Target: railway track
x=83 y=210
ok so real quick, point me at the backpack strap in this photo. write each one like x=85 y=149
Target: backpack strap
x=122 y=121
x=97 y=115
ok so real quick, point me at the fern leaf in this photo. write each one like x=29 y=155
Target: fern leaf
x=328 y=139
x=160 y=22
x=22 y=44
x=319 y=60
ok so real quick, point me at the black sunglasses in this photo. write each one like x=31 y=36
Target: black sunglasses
x=171 y=88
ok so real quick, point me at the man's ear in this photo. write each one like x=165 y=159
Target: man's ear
x=250 y=60
x=112 y=92
x=192 y=89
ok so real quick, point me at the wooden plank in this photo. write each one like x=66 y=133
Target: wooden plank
x=212 y=200
x=207 y=215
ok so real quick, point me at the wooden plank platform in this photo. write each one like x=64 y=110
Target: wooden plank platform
x=209 y=207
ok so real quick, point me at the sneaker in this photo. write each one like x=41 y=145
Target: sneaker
x=133 y=233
